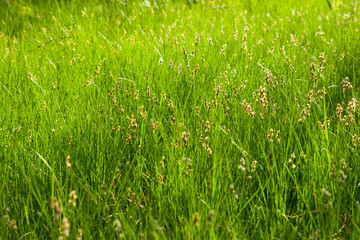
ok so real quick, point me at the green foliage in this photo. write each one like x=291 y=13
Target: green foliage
x=179 y=119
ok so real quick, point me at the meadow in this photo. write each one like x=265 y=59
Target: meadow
x=166 y=119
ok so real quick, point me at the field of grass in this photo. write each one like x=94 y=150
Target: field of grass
x=179 y=120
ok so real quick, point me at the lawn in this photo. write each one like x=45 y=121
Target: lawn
x=166 y=119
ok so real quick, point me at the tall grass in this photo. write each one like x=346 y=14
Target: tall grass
x=179 y=119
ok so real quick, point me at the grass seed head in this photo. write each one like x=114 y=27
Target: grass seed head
x=270 y=135
x=278 y=137
x=346 y=85
x=196 y=220
x=65 y=228
x=73 y=197
x=352 y=105
x=55 y=205
x=325 y=192
x=185 y=137
x=117 y=226
x=69 y=141
x=79 y=235
x=253 y=166
x=211 y=216
x=11 y=224
x=68 y=164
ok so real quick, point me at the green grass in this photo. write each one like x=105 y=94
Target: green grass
x=167 y=124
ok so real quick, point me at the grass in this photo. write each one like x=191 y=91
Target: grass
x=179 y=119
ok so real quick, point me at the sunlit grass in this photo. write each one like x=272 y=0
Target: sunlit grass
x=177 y=119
